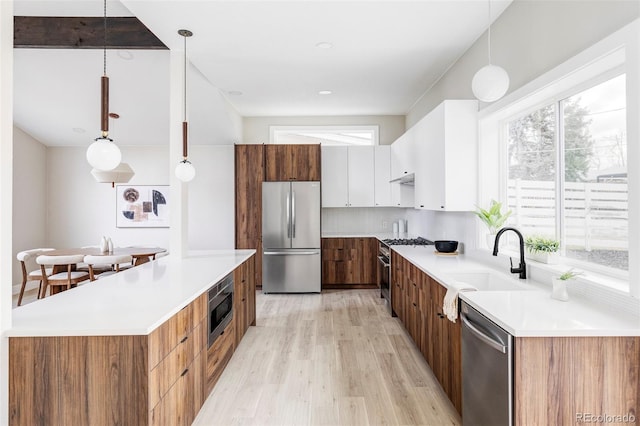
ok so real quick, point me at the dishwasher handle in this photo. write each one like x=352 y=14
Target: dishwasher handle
x=482 y=336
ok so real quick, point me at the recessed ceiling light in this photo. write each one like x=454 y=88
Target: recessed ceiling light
x=324 y=45
x=325 y=92
x=78 y=130
x=234 y=92
x=125 y=54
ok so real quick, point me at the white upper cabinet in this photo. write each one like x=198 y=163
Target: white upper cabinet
x=447 y=153
x=335 y=192
x=402 y=156
x=361 y=176
x=382 y=171
x=348 y=176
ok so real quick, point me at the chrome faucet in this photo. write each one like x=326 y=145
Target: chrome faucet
x=522 y=269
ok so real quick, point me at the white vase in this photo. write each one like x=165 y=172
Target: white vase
x=559 y=291
x=104 y=245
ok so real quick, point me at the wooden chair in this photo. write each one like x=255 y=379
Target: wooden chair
x=69 y=278
x=112 y=261
x=25 y=257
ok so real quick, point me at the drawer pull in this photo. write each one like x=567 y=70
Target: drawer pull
x=184 y=339
x=184 y=372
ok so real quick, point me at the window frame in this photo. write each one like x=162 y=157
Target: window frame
x=374 y=129
x=598 y=63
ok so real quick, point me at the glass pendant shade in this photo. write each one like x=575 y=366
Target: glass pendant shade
x=103 y=154
x=121 y=174
x=490 y=83
x=185 y=171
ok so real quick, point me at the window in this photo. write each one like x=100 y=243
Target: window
x=567 y=174
x=325 y=135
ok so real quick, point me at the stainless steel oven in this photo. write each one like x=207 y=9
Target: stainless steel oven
x=220 y=307
x=384 y=272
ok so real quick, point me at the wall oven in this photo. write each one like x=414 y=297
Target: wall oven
x=384 y=272
x=220 y=307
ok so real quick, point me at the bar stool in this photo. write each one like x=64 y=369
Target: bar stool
x=69 y=278
x=112 y=261
x=36 y=275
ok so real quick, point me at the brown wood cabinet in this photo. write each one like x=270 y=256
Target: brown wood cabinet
x=292 y=162
x=249 y=175
x=244 y=298
x=349 y=262
x=158 y=379
x=417 y=299
x=105 y=380
x=558 y=379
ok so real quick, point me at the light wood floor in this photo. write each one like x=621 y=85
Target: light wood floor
x=337 y=358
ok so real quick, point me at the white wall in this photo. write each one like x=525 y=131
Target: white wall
x=6 y=217
x=212 y=198
x=530 y=38
x=361 y=220
x=256 y=129
x=29 y=197
x=81 y=210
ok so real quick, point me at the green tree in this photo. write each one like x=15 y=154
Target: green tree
x=532 y=151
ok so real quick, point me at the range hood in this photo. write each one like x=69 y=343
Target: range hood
x=407 y=179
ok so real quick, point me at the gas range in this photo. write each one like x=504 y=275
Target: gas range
x=419 y=241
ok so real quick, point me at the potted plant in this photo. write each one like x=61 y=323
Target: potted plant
x=543 y=249
x=493 y=218
x=559 y=291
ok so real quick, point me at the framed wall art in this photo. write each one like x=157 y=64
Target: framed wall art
x=142 y=206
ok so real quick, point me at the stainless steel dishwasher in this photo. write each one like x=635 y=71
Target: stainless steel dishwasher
x=487 y=371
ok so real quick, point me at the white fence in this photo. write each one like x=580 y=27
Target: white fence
x=596 y=214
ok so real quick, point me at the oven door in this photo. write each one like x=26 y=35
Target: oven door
x=384 y=276
x=220 y=312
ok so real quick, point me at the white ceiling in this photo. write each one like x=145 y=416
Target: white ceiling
x=385 y=55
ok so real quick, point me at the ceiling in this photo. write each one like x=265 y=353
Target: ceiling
x=259 y=58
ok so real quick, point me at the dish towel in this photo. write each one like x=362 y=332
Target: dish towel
x=450 y=305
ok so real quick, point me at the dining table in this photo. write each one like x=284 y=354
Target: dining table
x=140 y=255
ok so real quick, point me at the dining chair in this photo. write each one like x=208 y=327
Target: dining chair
x=25 y=257
x=114 y=262
x=68 y=278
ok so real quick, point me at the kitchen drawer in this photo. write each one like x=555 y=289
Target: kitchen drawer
x=169 y=370
x=219 y=354
x=166 y=337
x=183 y=400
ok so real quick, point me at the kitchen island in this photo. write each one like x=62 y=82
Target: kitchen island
x=127 y=349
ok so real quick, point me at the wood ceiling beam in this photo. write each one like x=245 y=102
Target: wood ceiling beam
x=47 y=32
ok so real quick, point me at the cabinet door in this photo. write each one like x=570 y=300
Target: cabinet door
x=292 y=162
x=361 y=176
x=429 y=183
x=251 y=292
x=382 y=172
x=240 y=301
x=335 y=178
x=249 y=170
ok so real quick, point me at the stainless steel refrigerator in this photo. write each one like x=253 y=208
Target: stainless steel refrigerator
x=291 y=237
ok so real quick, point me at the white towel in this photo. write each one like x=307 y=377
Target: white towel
x=450 y=304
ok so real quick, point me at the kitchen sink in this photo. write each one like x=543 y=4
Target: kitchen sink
x=489 y=281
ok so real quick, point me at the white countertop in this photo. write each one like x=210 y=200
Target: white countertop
x=132 y=302
x=529 y=313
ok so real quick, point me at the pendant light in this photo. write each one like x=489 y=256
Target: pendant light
x=185 y=170
x=103 y=154
x=491 y=82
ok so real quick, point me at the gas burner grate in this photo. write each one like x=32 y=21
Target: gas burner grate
x=419 y=241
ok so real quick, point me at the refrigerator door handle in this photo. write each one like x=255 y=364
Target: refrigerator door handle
x=289 y=253
x=288 y=215
x=293 y=214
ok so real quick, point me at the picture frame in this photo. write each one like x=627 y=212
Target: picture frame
x=142 y=206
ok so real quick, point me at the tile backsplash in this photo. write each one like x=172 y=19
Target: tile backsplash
x=361 y=220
